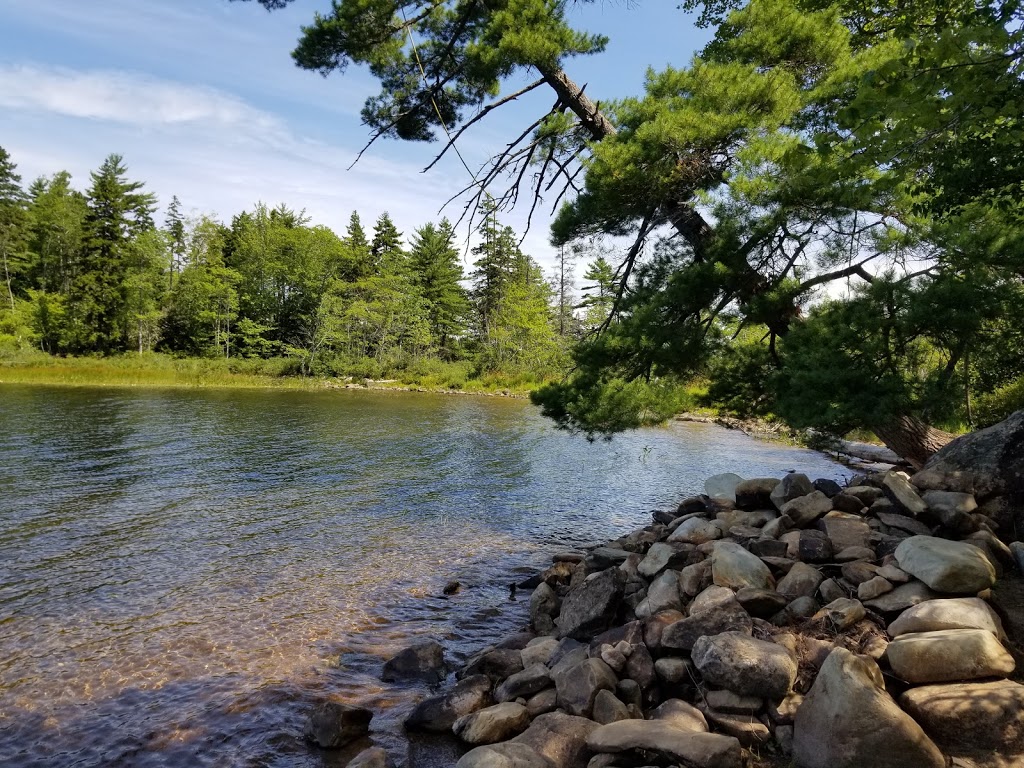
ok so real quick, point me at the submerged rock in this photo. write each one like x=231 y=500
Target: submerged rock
x=332 y=725
x=423 y=660
x=438 y=713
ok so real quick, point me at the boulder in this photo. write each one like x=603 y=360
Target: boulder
x=505 y=755
x=545 y=701
x=423 y=660
x=662 y=595
x=761 y=603
x=946 y=566
x=722 y=486
x=693 y=578
x=731 y=703
x=972 y=716
x=902 y=493
x=522 y=685
x=829 y=487
x=845 y=530
x=608 y=709
x=992 y=459
x=947 y=655
x=656 y=559
x=951 y=508
x=903 y=524
x=847 y=720
x=755 y=493
x=801 y=581
x=830 y=590
x=374 y=757
x=605 y=557
x=679 y=714
x=591 y=607
x=538 y=651
x=792 y=485
x=710 y=599
x=865 y=494
x=844 y=502
x=438 y=713
x=496 y=663
x=749 y=731
x=559 y=738
x=841 y=614
x=699 y=750
x=493 y=724
x=953 y=613
x=332 y=725
x=729 y=617
x=804 y=510
x=873 y=588
x=578 y=686
x=902 y=597
x=744 y=665
x=629 y=639
x=814 y=547
x=696 y=530
x=543 y=608
x=734 y=567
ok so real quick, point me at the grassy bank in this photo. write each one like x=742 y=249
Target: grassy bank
x=157 y=370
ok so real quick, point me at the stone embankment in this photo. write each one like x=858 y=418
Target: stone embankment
x=770 y=621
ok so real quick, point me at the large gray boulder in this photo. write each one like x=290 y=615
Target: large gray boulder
x=973 y=716
x=847 y=720
x=438 y=713
x=493 y=724
x=559 y=738
x=947 y=655
x=507 y=754
x=747 y=666
x=790 y=487
x=946 y=566
x=989 y=462
x=699 y=750
x=531 y=680
x=804 y=510
x=729 y=617
x=591 y=607
x=543 y=608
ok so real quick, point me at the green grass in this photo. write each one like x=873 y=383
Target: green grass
x=158 y=370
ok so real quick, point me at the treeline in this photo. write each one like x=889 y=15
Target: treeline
x=92 y=272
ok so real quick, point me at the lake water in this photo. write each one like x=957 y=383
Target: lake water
x=182 y=573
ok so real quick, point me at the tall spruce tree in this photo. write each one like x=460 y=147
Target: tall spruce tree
x=437 y=273
x=13 y=225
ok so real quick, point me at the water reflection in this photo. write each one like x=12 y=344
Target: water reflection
x=181 y=573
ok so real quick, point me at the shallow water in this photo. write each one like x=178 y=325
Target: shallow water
x=182 y=573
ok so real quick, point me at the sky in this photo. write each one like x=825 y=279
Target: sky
x=203 y=101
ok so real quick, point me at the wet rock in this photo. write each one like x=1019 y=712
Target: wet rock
x=755 y=493
x=801 y=581
x=591 y=608
x=332 y=725
x=841 y=614
x=792 y=486
x=903 y=494
x=696 y=530
x=374 y=757
x=679 y=714
x=423 y=660
x=493 y=724
x=608 y=709
x=747 y=666
x=699 y=750
x=734 y=567
x=847 y=720
x=901 y=597
x=986 y=716
x=873 y=588
x=438 y=713
x=946 y=566
x=543 y=608
x=948 y=654
x=497 y=663
x=953 y=613
x=729 y=617
x=804 y=510
x=523 y=684
x=578 y=686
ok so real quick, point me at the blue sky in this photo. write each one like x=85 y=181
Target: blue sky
x=203 y=101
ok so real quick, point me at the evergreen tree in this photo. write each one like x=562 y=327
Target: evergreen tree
x=13 y=225
x=599 y=294
x=386 y=247
x=495 y=263
x=174 y=225
x=437 y=274
x=117 y=212
x=58 y=215
x=564 y=284
x=360 y=261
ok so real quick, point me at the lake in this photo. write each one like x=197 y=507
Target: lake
x=183 y=573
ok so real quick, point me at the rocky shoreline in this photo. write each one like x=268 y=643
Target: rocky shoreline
x=767 y=622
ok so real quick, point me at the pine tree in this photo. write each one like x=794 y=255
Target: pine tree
x=117 y=212
x=13 y=224
x=386 y=247
x=563 y=282
x=599 y=295
x=359 y=261
x=437 y=273
x=174 y=225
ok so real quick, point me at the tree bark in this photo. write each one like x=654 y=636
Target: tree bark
x=912 y=439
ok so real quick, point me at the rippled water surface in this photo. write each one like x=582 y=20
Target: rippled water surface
x=182 y=573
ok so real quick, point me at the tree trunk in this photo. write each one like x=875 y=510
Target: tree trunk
x=912 y=439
